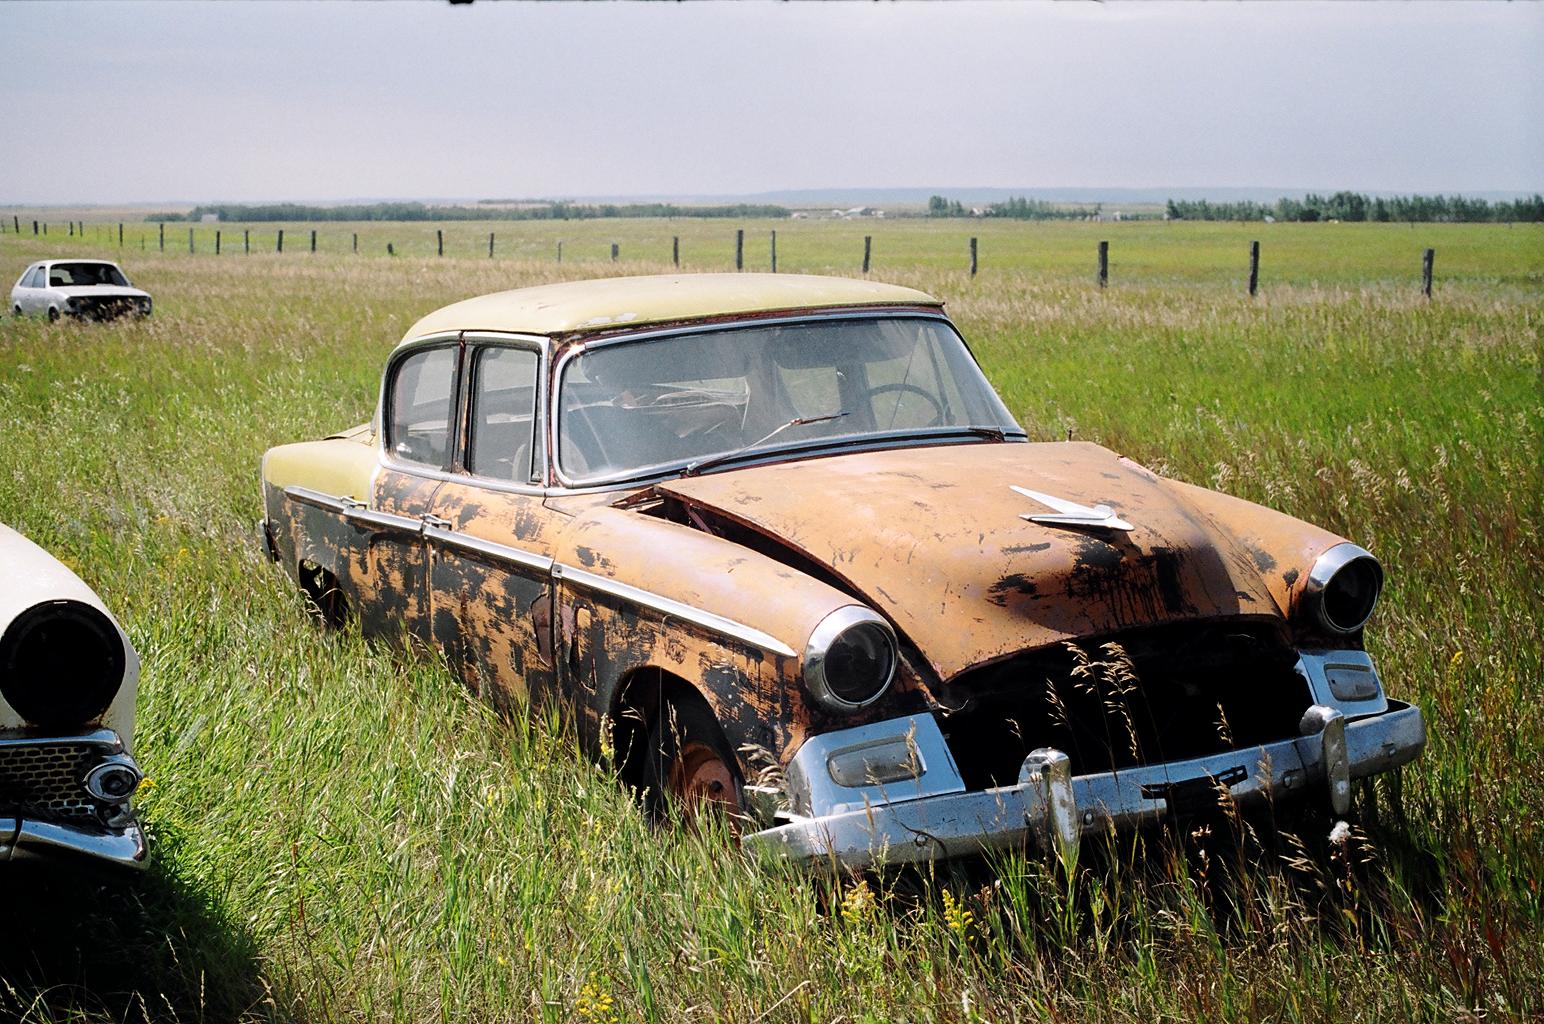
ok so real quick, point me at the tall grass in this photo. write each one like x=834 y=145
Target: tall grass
x=343 y=834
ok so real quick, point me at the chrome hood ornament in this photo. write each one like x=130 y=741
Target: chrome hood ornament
x=1070 y=513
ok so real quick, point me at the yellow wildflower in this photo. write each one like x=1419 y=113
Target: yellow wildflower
x=857 y=903
x=595 y=1005
x=958 y=918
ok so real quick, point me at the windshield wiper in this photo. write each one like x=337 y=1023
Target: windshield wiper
x=694 y=468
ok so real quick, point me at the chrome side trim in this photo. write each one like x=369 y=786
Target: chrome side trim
x=316 y=499
x=360 y=516
x=488 y=549
x=671 y=607
x=1039 y=812
x=354 y=511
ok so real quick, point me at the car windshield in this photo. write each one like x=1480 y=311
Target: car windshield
x=634 y=409
x=75 y=275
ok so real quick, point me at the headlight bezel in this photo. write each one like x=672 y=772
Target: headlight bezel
x=30 y=679
x=825 y=638
x=1332 y=572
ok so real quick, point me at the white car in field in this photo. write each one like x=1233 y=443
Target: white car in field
x=87 y=289
x=68 y=677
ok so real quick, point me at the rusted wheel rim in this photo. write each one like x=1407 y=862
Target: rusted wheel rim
x=699 y=777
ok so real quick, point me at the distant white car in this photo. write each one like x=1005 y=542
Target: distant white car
x=68 y=677
x=87 y=289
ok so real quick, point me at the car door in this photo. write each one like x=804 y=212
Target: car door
x=490 y=534
x=31 y=282
x=419 y=424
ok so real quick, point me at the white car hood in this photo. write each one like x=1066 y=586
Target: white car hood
x=100 y=291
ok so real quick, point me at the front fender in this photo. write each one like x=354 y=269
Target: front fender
x=635 y=592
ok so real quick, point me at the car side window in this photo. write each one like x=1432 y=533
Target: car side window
x=421 y=405
x=35 y=279
x=503 y=414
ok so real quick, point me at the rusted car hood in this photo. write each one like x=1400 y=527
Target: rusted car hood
x=934 y=539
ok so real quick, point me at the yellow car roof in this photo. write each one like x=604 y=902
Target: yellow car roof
x=578 y=306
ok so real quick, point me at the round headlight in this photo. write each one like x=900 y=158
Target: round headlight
x=61 y=663
x=1343 y=587
x=850 y=660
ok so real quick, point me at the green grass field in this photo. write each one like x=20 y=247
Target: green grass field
x=342 y=834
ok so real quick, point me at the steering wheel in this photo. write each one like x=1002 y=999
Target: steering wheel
x=902 y=387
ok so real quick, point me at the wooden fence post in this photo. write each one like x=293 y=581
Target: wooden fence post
x=1427 y=259
x=439 y=240
x=246 y=241
x=391 y=250
x=774 y=252
x=16 y=223
x=34 y=228
x=675 y=250
x=313 y=239
x=120 y=234
x=490 y=245
x=560 y=251
x=1254 y=268
x=868 y=245
x=72 y=229
x=356 y=242
x=1104 y=264
x=162 y=239
x=279 y=246
x=615 y=250
x=190 y=241
x=217 y=241
x=972 y=255
x=739 y=249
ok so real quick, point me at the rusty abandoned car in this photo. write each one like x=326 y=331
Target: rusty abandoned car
x=733 y=518
x=68 y=676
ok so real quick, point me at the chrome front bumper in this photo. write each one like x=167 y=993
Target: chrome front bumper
x=25 y=839
x=931 y=816
x=46 y=810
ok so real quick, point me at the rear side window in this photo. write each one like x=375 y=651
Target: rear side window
x=422 y=391
x=35 y=279
x=503 y=414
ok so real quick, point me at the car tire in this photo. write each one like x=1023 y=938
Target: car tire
x=53 y=315
x=688 y=767
x=16 y=311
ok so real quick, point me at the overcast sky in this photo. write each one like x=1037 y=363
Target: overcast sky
x=124 y=102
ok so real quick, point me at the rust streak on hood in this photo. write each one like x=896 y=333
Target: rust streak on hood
x=934 y=539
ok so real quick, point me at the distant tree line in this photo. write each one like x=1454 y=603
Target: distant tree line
x=1354 y=206
x=418 y=211
x=1016 y=208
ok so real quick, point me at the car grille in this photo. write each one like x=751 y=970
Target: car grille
x=1124 y=700
x=43 y=780
x=103 y=309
